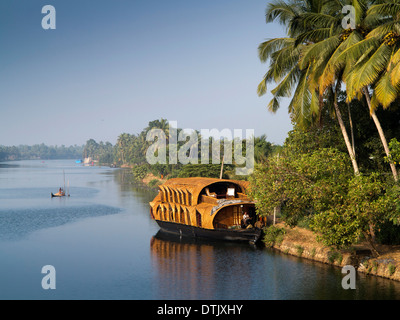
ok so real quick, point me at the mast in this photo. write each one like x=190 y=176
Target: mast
x=222 y=167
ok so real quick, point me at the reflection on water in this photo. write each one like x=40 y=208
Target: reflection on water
x=192 y=269
x=199 y=269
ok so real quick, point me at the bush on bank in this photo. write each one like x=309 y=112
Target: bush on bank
x=317 y=184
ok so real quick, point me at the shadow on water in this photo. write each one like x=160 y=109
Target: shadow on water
x=18 y=223
x=8 y=166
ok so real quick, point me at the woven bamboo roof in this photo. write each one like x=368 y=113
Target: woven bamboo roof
x=196 y=184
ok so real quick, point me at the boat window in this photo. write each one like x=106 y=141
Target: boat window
x=182 y=213
x=180 y=197
x=190 y=198
x=198 y=219
x=184 y=197
x=188 y=218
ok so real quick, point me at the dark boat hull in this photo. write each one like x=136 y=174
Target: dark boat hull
x=250 y=235
x=57 y=195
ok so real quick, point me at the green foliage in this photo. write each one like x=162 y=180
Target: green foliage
x=140 y=171
x=391 y=268
x=131 y=150
x=202 y=170
x=102 y=152
x=273 y=235
x=311 y=180
x=394 y=155
x=154 y=183
x=299 y=250
x=300 y=185
x=366 y=205
x=315 y=185
x=335 y=256
x=336 y=227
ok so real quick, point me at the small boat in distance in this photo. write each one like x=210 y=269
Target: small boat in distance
x=206 y=208
x=61 y=191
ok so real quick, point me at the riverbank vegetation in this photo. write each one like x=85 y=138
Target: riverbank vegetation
x=337 y=173
x=39 y=151
x=130 y=151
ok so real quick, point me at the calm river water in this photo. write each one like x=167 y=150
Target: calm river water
x=103 y=245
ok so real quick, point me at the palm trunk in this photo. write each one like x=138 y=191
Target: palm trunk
x=344 y=133
x=381 y=134
x=372 y=244
x=351 y=129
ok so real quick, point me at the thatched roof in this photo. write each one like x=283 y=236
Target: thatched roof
x=195 y=185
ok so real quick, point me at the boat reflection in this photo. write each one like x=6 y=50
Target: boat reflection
x=195 y=268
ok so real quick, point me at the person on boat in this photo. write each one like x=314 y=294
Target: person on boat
x=259 y=224
x=60 y=190
x=245 y=220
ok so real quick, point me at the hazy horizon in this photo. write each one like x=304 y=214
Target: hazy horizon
x=113 y=66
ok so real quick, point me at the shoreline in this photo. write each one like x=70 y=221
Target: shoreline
x=302 y=243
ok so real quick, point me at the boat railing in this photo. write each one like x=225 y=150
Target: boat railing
x=214 y=200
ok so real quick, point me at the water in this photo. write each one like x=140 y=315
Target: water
x=103 y=245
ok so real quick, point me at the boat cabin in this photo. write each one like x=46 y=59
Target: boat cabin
x=206 y=203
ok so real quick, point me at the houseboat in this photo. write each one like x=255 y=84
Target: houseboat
x=206 y=208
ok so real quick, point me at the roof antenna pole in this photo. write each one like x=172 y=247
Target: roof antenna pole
x=222 y=167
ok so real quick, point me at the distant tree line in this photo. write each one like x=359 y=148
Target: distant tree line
x=130 y=151
x=40 y=151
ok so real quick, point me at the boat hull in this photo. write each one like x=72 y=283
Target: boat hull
x=250 y=235
x=57 y=195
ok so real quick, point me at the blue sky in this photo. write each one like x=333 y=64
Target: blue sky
x=112 y=66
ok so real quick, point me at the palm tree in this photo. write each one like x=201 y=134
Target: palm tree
x=162 y=124
x=375 y=64
x=361 y=58
x=123 y=143
x=297 y=61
